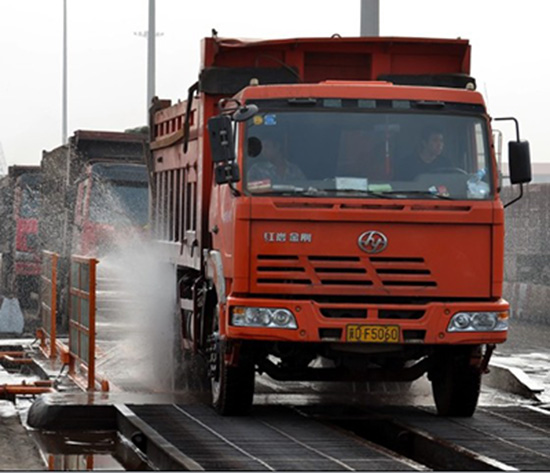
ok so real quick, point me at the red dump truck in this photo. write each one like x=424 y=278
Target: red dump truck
x=19 y=206
x=94 y=197
x=335 y=200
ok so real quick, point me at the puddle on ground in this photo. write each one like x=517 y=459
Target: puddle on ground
x=80 y=451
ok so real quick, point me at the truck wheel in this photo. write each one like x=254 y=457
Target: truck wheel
x=456 y=386
x=232 y=386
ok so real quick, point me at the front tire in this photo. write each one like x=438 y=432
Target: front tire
x=455 y=385
x=232 y=386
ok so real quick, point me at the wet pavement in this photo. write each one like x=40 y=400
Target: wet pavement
x=526 y=338
x=17 y=449
x=526 y=349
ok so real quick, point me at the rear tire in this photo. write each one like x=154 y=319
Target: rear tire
x=455 y=385
x=232 y=386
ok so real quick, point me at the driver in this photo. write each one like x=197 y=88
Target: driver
x=275 y=167
x=429 y=157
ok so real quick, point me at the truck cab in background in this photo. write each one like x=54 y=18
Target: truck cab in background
x=111 y=203
x=312 y=225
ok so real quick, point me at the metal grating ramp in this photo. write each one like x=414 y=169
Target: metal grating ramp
x=516 y=436
x=271 y=439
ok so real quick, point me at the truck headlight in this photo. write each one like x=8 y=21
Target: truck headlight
x=262 y=317
x=478 y=322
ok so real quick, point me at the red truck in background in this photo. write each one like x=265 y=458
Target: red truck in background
x=94 y=195
x=306 y=228
x=20 y=203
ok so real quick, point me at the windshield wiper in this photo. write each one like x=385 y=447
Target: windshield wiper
x=419 y=193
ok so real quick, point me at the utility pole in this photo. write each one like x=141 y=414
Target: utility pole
x=151 y=35
x=151 y=55
x=370 y=17
x=64 y=86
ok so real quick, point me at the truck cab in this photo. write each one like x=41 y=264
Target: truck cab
x=111 y=203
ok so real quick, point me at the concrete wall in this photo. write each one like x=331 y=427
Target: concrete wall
x=527 y=253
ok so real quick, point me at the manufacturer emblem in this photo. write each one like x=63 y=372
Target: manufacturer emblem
x=283 y=237
x=372 y=242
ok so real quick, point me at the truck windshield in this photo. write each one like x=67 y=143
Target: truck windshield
x=30 y=203
x=119 y=203
x=350 y=152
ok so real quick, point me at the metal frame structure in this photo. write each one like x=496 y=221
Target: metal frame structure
x=47 y=334
x=80 y=354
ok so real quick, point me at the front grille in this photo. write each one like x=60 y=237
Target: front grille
x=283 y=281
x=414 y=335
x=343 y=313
x=394 y=314
x=335 y=258
x=281 y=269
x=408 y=272
x=278 y=257
x=330 y=333
x=345 y=282
x=402 y=271
x=403 y=282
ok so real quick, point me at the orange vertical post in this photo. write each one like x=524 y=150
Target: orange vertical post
x=91 y=324
x=48 y=313
x=51 y=463
x=53 y=309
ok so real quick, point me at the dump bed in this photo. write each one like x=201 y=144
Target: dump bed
x=229 y=64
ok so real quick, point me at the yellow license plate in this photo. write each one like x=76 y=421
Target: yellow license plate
x=372 y=333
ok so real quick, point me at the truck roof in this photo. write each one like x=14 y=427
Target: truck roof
x=362 y=90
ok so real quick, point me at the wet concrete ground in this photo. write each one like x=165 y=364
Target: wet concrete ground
x=526 y=338
x=17 y=451
x=526 y=348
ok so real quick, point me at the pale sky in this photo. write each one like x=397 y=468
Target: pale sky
x=107 y=62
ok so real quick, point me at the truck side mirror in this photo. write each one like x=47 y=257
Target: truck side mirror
x=227 y=173
x=221 y=139
x=223 y=152
x=519 y=162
